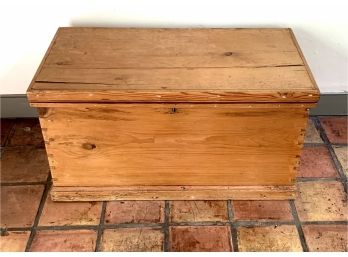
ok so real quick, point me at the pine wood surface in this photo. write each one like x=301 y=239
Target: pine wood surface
x=173 y=144
x=59 y=193
x=173 y=65
x=176 y=114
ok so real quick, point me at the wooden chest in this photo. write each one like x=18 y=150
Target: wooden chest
x=173 y=113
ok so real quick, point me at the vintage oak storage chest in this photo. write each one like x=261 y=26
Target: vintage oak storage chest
x=173 y=113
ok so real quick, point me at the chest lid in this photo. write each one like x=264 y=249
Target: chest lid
x=173 y=65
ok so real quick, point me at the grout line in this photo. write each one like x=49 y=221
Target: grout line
x=313 y=144
x=260 y=223
x=334 y=158
x=34 y=146
x=10 y=133
x=329 y=115
x=89 y=227
x=230 y=213
x=298 y=226
x=166 y=246
x=339 y=144
x=246 y=223
x=23 y=183
x=234 y=233
x=15 y=229
x=38 y=215
x=69 y=227
x=133 y=225
x=201 y=223
x=100 y=227
x=342 y=222
x=302 y=179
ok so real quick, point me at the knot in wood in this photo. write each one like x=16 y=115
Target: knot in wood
x=88 y=146
x=228 y=53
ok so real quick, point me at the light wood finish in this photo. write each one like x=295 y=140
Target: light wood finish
x=173 y=114
x=169 y=96
x=173 y=144
x=173 y=65
x=172 y=193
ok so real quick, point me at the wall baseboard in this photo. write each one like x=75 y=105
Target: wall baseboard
x=331 y=104
x=17 y=106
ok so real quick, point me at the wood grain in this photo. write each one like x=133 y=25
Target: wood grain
x=176 y=65
x=179 y=79
x=173 y=144
x=151 y=48
x=173 y=193
x=173 y=114
x=162 y=96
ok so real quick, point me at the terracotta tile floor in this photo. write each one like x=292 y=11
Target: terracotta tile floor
x=315 y=221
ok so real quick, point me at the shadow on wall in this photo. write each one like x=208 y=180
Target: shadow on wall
x=327 y=61
x=108 y=20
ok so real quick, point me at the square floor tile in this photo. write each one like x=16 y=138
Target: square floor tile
x=321 y=201
x=282 y=238
x=193 y=211
x=24 y=164
x=262 y=210
x=70 y=213
x=64 y=241
x=6 y=126
x=335 y=129
x=132 y=240
x=134 y=212
x=14 y=241
x=312 y=134
x=27 y=132
x=19 y=205
x=316 y=162
x=326 y=238
x=200 y=239
x=342 y=155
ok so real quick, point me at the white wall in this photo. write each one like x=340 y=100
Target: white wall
x=27 y=28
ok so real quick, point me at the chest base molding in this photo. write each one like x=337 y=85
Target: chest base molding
x=60 y=193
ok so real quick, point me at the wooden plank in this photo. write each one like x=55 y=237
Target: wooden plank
x=227 y=79
x=191 y=105
x=166 y=144
x=173 y=193
x=172 y=48
x=176 y=65
x=308 y=98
